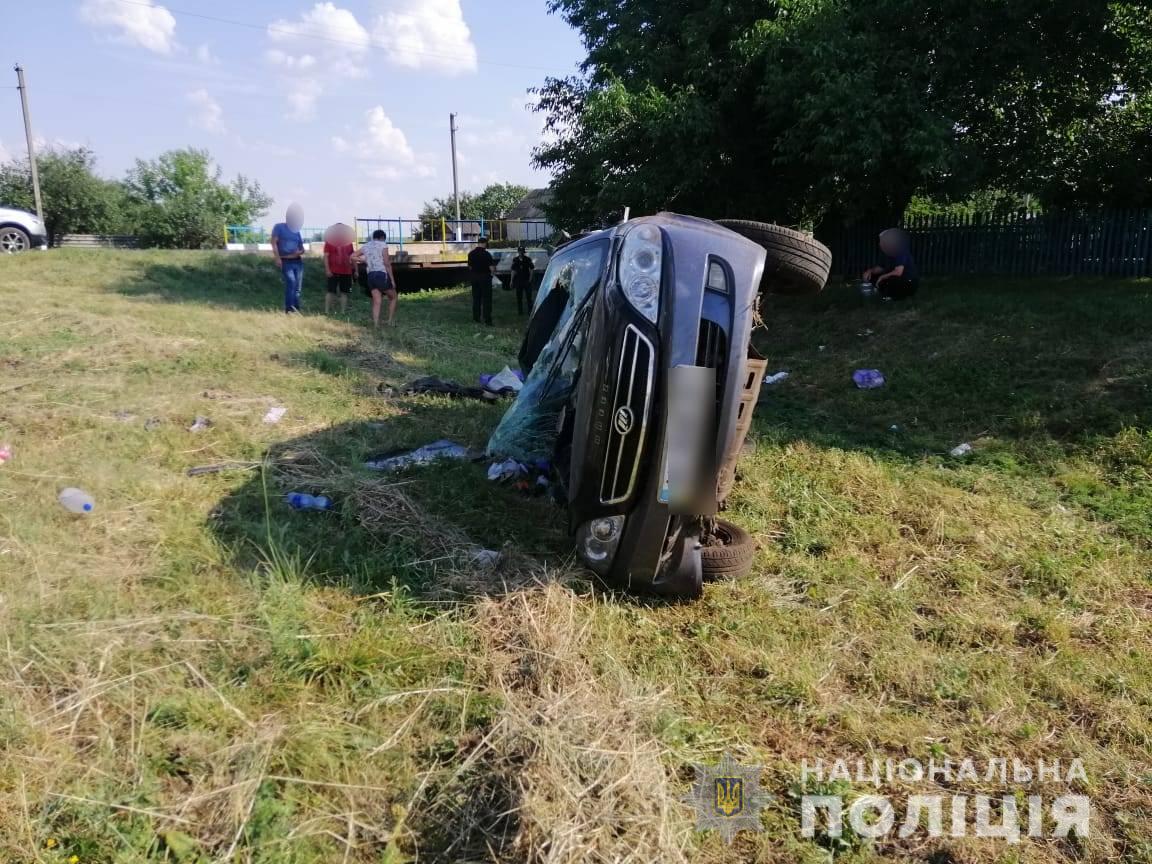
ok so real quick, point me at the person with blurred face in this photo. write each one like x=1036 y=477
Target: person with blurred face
x=338 y=251
x=896 y=275
x=288 y=251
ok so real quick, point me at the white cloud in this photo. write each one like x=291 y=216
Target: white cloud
x=207 y=113
x=204 y=55
x=427 y=34
x=302 y=98
x=382 y=148
x=325 y=30
x=327 y=43
x=141 y=23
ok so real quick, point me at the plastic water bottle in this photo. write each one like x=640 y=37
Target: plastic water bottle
x=300 y=501
x=867 y=289
x=76 y=501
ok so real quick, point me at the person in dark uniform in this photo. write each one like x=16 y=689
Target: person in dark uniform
x=481 y=267
x=522 y=268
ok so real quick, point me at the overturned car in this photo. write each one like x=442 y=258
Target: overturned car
x=640 y=386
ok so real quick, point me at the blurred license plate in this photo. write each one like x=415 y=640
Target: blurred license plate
x=691 y=423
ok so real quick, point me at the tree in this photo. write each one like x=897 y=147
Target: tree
x=493 y=203
x=179 y=201
x=791 y=110
x=76 y=200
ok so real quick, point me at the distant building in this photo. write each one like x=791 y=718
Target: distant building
x=527 y=221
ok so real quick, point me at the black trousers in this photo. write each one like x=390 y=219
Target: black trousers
x=899 y=287
x=525 y=296
x=482 y=298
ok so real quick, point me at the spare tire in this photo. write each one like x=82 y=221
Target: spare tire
x=796 y=264
x=727 y=552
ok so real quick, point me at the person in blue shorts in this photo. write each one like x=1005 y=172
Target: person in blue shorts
x=381 y=278
x=288 y=250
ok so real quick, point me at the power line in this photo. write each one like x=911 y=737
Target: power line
x=369 y=43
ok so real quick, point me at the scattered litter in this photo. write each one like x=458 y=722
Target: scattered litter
x=868 y=379
x=385 y=390
x=300 y=501
x=275 y=415
x=486 y=558
x=5 y=453
x=221 y=467
x=442 y=387
x=864 y=334
x=124 y=416
x=504 y=381
x=776 y=378
x=963 y=450
x=507 y=470
x=821 y=347
x=893 y=428
x=76 y=500
x=421 y=456
x=200 y=425
x=152 y=424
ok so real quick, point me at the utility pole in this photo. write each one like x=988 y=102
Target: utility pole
x=455 y=174
x=23 y=88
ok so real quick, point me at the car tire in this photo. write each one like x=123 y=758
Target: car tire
x=796 y=263
x=14 y=240
x=730 y=559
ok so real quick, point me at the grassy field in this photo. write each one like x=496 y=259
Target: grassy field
x=195 y=673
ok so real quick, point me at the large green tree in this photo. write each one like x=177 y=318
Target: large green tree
x=492 y=203
x=179 y=200
x=76 y=200
x=794 y=109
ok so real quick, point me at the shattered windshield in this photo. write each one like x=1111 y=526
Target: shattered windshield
x=529 y=428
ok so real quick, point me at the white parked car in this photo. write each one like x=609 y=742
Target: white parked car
x=21 y=231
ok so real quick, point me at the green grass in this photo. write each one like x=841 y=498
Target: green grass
x=195 y=673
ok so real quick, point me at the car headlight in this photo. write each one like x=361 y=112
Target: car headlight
x=641 y=264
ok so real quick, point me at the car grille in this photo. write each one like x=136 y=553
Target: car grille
x=629 y=418
x=712 y=352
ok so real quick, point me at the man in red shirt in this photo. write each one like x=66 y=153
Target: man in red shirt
x=338 y=251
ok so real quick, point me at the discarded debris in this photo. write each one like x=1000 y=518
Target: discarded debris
x=509 y=469
x=275 y=415
x=486 y=558
x=776 y=377
x=442 y=387
x=868 y=379
x=864 y=334
x=420 y=456
x=200 y=425
x=76 y=500
x=963 y=450
x=504 y=381
x=124 y=416
x=5 y=453
x=300 y=501
x=152 y=424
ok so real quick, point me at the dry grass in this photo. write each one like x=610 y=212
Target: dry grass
x=196 y=674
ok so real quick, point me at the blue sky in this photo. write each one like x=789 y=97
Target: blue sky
x=342 y=106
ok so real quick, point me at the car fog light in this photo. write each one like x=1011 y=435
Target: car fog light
x=606 y=530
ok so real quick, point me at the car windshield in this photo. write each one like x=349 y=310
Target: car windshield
x=553 y=348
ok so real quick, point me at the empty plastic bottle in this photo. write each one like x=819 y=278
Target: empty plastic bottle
x=300 y=501
x=76 y=500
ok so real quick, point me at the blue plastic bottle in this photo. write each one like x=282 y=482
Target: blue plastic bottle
x=300 y=501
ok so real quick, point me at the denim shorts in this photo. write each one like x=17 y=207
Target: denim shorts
x=378 y=280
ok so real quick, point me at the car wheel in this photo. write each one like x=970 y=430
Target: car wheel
x=727 y=552
x=796 y=263
x=13 y=240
